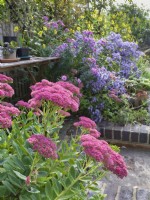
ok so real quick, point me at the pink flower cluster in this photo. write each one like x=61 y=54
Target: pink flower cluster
x=89 y=125
x=61 y=93
x=102 y=152
x=43 y=145
x=23 y=104
x=7 y=110
x=94 y=133
x=6 y=90
x=5 y=79
x=86 y=123
x=69 y=86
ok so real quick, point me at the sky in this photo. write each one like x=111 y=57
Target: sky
x=146 y=3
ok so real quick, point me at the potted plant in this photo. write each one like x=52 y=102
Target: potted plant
x=9 y=50
x=22 y=50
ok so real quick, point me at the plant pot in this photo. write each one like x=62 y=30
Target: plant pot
x=9 y=39
x=22 y=52
x=10 y=55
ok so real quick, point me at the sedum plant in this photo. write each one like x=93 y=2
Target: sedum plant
x=36 y=162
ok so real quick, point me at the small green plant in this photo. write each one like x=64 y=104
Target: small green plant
x=9 y=48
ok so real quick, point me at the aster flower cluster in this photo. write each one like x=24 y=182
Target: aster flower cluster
x=83 y=44
x=104 y=65
x=52 y=24
x=124 y=54
x=101 y=152
x=43 y=145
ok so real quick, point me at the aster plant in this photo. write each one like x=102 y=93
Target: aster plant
x=104 y=67
x=36 y=162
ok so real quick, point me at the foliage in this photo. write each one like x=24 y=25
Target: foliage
x=35 y=162
x=131 y=21
x=77 y=14
x=48 y=37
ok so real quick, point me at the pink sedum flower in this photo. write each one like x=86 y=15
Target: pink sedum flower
x=85 y=122
x=6 y=113
x=57 y=93
x=70 y=87
x=6 y=90
x=101 y=152
x=94 y=133
x=10 y=110
x=23 y=104
x=43 y=145
x=5 y=120
x=5 y=79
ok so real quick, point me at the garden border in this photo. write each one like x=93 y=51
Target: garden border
x=132 y=135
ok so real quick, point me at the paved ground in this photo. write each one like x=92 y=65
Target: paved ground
x=138 y=162
x=136 y=186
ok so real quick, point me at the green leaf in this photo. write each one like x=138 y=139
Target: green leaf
x=33 y=190
x=15 y=181
x=21 y=176
x=67 y=182
x=3 y=176
x=47 y=189
x=19 y=152
x=3 y=191
x=73 y=172
x=24 y=197
x=19 y=163
x=56 y=186
x=9 y=187
x=67 y=196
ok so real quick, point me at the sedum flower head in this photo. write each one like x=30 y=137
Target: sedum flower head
x=101 y=152
x=85 y=122
x=43 y=145
x=6 y=112
x=23 y=104
x=62 y=94
x=6 y=90
x=5 y=79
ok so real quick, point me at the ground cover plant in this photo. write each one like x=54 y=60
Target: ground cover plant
x=109 y=72
x=35 y=163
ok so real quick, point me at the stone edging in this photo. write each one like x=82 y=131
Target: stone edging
x=130 y=134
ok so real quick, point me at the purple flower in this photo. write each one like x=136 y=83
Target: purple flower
x=54 y=25
x=43 y=145
x=101 y=152
x=60 y=22
x=64 y=78
x=45 y=18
